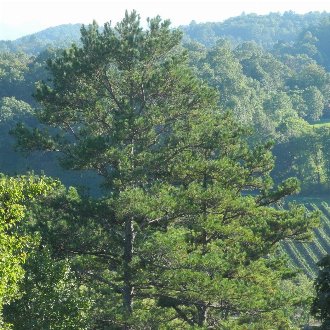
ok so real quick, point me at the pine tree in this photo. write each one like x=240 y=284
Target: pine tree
x=188 y=231
x=321 y=304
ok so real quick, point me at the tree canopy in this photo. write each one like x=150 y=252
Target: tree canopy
x=189 y=231
x=321 y=303
x=16 y=194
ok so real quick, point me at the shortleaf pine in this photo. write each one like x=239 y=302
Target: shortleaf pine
x=189 y=231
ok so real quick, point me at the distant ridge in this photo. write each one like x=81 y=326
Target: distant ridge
x=266 y=30
x=58 y=36
x=55 y=33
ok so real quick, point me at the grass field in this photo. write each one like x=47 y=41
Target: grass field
x=321 y=123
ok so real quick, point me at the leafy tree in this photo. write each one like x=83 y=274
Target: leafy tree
x=15 y=196
x=13 y=67
x=12 y=110
x=66 y=284
x=314 y=38
x=314 y=101
x=223 y=71
x=321 y=305
x=185 y=225
x=305 y=157
x=262 y=66
x=311 y=75
x=278 y=106
x=52 y=298
x=306 y=44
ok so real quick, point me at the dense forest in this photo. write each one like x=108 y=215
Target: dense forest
x=167 y=178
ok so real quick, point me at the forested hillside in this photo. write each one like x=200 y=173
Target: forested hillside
x=199 y=170
x=61 y=36
x=266 y=30
x=281 y=92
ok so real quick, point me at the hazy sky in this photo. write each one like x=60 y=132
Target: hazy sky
x=18 y=18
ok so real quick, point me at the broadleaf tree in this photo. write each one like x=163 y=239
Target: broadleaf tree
x=16 y=194
x=189 y=233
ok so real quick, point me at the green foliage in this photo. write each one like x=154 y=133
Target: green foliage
x=186 y=229
x=15 y=196
x=262 y=66
x=13 y=67
x=185 y=235
x=314 y=42
x=246 y=76
x=266 y=30
x=314 y=102
x=220 y=67
x=275 y=94
x=51 y=296
x=306 y=158
x=11 y=110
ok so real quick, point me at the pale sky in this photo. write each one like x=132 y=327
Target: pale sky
x=22 y=17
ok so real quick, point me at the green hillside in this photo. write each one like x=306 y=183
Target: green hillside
x=266 y=30
x=305 y=255
x=61 y=36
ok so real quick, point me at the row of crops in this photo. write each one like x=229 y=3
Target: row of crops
x=305 y=255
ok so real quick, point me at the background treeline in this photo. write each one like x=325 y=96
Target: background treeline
x=266 y=30
x=271 y=71
x=59 y=36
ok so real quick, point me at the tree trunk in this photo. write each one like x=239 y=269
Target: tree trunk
x=201 y=315
x=202 y=310
x=128 y=254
